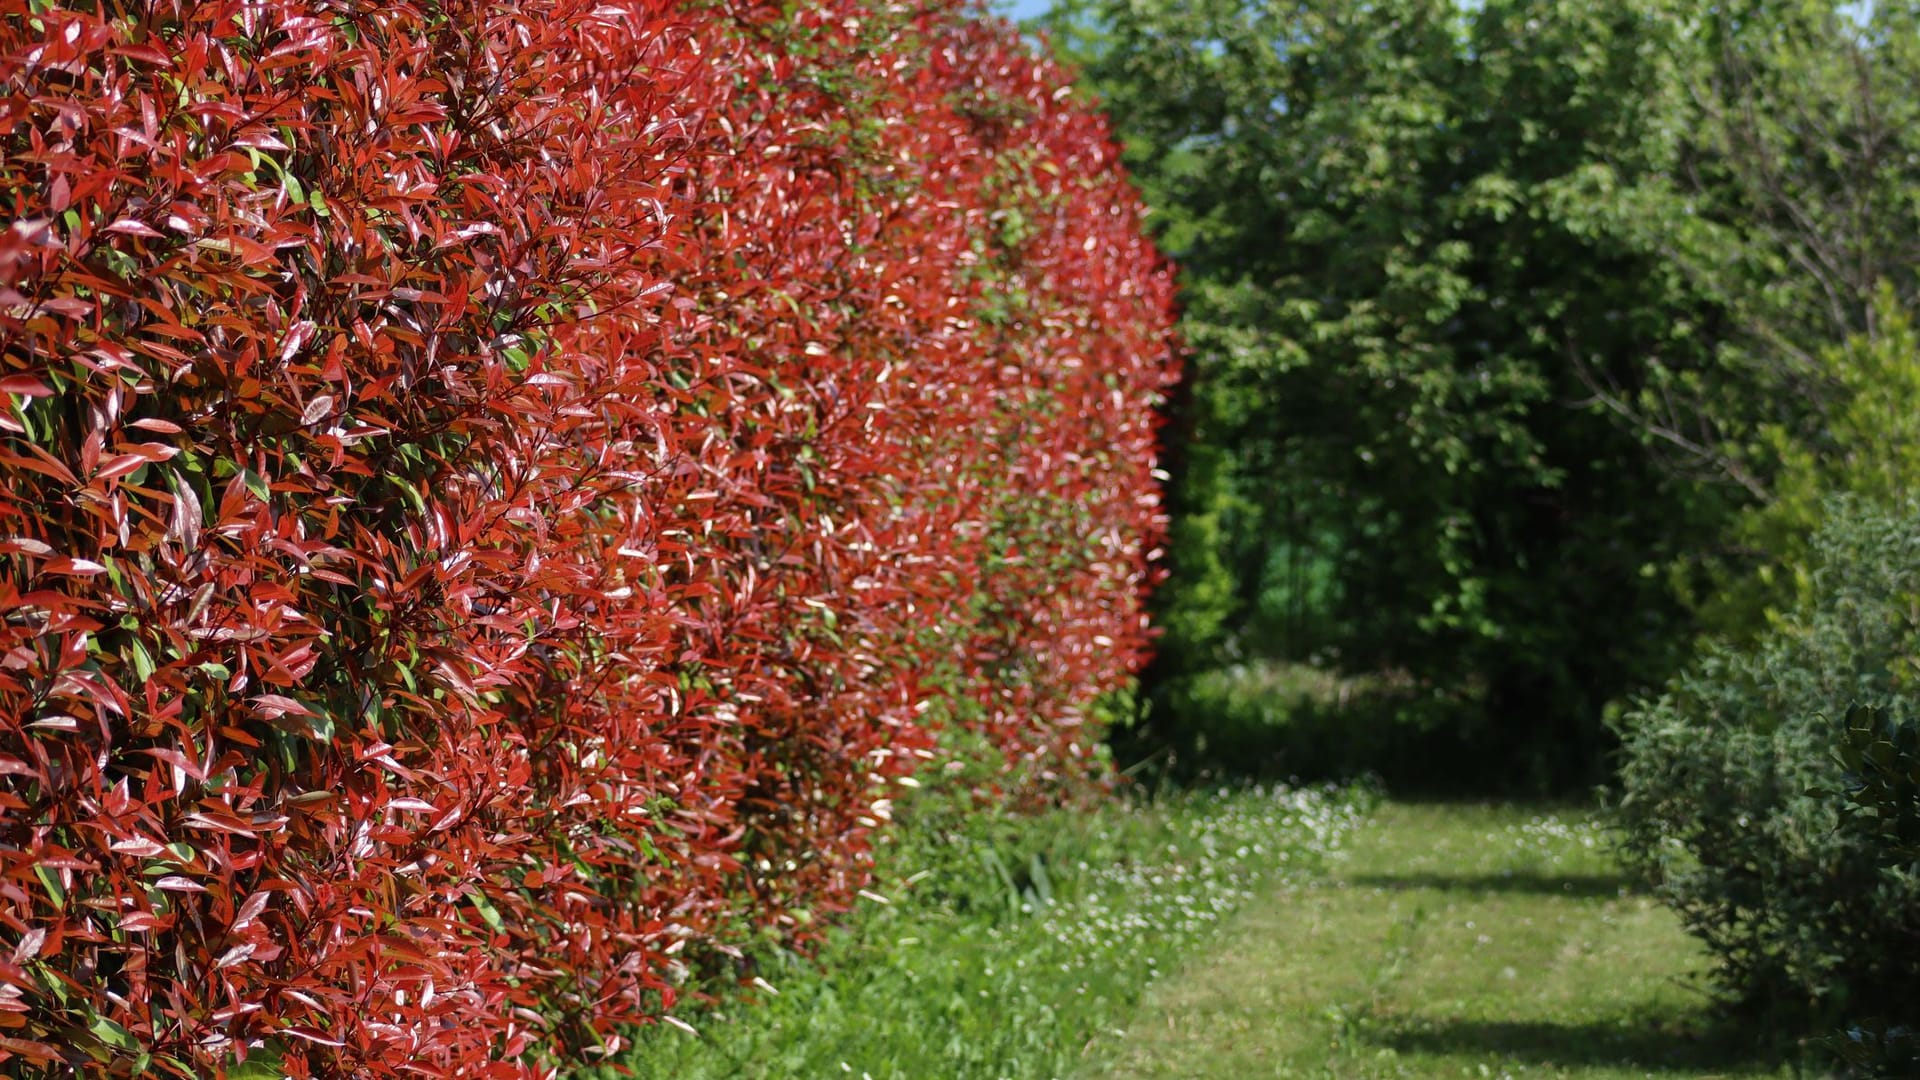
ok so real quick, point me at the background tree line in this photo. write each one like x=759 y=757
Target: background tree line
x=1551 y=419
x=1504 y=323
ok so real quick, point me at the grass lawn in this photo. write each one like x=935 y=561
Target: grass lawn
x=1453 y=940
x=998 y=947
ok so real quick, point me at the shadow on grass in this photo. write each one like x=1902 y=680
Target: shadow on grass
x=1571 y=886
x=1682 y=1049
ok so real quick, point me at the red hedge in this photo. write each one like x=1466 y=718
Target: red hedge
x=492 y=490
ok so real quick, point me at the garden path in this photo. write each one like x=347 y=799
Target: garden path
x=1451 y=940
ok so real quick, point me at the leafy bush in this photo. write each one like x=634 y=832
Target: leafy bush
x=489 y=491
x=1881 y=787
x=1732 y=788
x=1274 y=720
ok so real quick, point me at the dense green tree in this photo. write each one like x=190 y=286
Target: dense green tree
x=1400 y=284
x=1794 y=205
x=1499 y=314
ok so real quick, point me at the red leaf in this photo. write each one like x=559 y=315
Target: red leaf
x=73 y=567
x=274 y=705
x=132 y=227
x=25 y=386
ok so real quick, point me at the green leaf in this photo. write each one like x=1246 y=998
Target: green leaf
x=114 y=1035
x=256 y=484
x=143 y=667
x=265 y=1062
x=488 y=913
x=50 y=881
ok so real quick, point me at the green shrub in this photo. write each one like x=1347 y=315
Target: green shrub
x=1881 y=754
x=1744 y=795
x=1270 y=719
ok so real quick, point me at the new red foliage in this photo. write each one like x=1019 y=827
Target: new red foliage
x=492 y=490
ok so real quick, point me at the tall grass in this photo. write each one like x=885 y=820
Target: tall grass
x=995 y=946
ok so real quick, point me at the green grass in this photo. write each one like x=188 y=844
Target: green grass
x=1006 y=945
x=1454 y=940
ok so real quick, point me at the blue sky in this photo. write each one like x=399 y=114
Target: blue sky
x=1022 y=9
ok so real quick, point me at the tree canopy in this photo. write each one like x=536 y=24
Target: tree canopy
x=1492 y=311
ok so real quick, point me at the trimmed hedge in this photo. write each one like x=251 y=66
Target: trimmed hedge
x=489 y=494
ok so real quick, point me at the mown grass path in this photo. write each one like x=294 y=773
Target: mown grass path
x=1453 y=940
